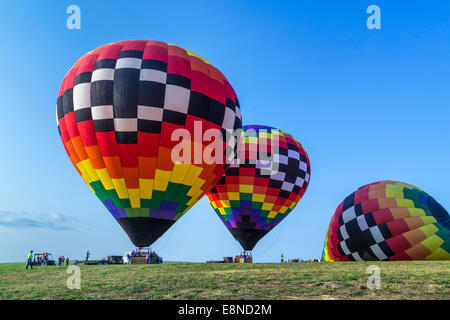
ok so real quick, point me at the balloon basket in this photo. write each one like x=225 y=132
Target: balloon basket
x=144 y=255
x=244 y=257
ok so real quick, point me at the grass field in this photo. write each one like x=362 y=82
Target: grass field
x=399 y=280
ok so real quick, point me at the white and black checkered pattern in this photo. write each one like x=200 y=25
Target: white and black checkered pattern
x=132 y=94
x=360 y=238
x=286 y=168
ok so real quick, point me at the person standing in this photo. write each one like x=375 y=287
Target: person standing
x=282 y=258
x=30 y=260
x=67 y=261
x=87 y=255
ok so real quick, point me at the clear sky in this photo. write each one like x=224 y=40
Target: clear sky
x=367 y=105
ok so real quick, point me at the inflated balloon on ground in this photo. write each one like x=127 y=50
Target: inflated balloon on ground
x=388 y=220
x=117 y=109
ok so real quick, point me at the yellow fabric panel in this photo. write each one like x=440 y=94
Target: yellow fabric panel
x=433 y=242
x=179 y=172
x=392 y=193
x=416 y=212
x=293 y=204
x=429 y=230
x=233 y=195
x=389 y=187
x=225 y=203
x=86 y=178
x=135 y=200
x=327 y=256
x=121 y=188
x=222 y=212
x=105 y=178
x=245 y=188
x=428 y=220
x=198 y=183
x=251 y=139
x=193 y=191
x=258 y=197
x=267 y=206
x=405 y=203
x=146 y=188
x=272 y=214
x=439 y=254
x=283 y=209
x=84 y=174
x=87 y=164
x=214 y=205
x=192 y=175
x=162 y=178
x=194 y=198
x=264 y=134
x=198 y=194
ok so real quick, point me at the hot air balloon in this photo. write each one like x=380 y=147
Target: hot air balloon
x=266 y=180
x=388 y=220
x=117 y=110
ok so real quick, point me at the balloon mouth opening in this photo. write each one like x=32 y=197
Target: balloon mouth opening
x=248 y=238
x=144 y=231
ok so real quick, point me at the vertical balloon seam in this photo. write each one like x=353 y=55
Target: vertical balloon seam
x=177 y=186
x=153 y=201
x=119 y=183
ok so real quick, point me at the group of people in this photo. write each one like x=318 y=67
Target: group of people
x=301 y=260
x=63 y=260
x=243 y=258
x=150 y=257
x=153 y=257
x=42 y=259
x=137 y=253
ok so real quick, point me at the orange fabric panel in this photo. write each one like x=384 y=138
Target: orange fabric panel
x=114 y=167
x=147 y=167
x=95 y=156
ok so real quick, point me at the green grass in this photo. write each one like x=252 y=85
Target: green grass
x=344 y=280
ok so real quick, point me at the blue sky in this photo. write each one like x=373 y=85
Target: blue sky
x=367 y=105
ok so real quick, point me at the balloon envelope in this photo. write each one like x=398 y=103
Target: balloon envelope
x=262 y=185
x=388 y=220
x=117 y=110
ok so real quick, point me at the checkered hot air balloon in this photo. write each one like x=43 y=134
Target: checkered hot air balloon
x=117 y=109
x=264 y=183
x=388 y=220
